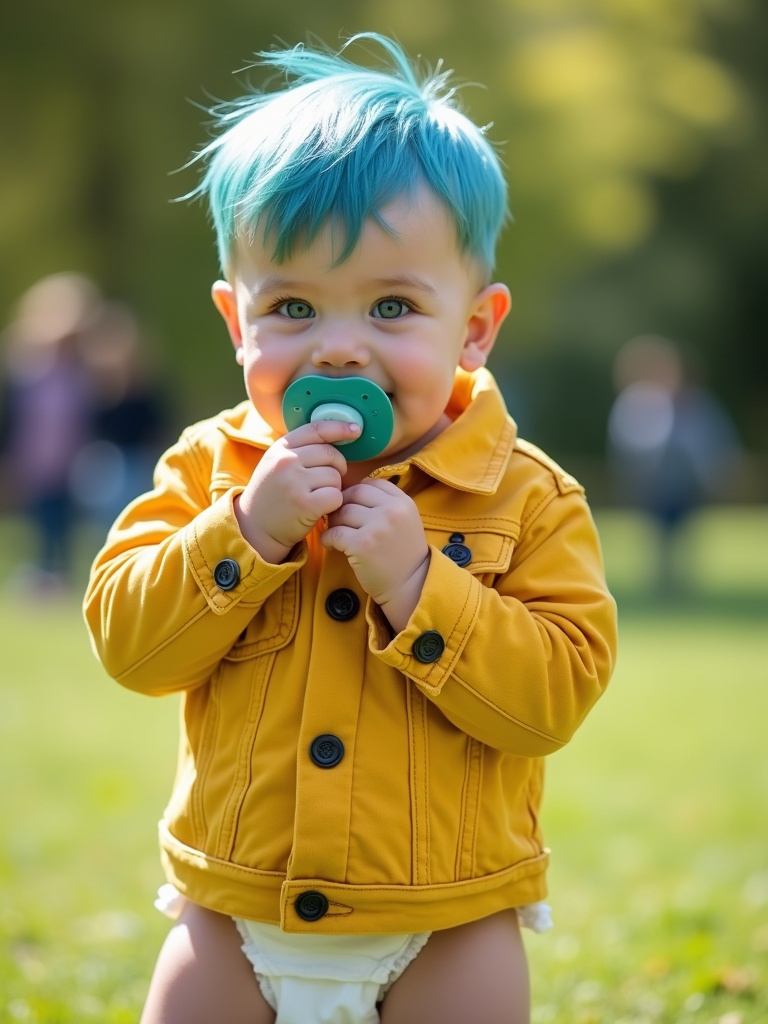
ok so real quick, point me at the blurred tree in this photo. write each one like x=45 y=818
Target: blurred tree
x=631 y=131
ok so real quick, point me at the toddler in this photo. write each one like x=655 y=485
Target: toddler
x=374 y=650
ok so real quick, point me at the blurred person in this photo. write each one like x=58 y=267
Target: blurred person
x=672 y=446
x=375 y=647
x=46 y=414
x=127 y=415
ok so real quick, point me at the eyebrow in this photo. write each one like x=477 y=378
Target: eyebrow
x=277 y=283
x=405 y=280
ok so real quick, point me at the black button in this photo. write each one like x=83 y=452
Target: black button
x=342 y=604
x=326 y=750
x=226 y=575
x=311 y=905
x=428 y=647
x=458 y=552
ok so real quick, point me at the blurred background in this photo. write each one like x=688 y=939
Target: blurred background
x=633 y=134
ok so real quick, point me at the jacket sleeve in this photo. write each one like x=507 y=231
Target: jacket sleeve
x=158 y=621
x=526 y=658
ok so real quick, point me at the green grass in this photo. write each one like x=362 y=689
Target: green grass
x=656 y=812
x=720 y=561
x=656 y=817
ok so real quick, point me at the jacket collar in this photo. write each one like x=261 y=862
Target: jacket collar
x=471 y=454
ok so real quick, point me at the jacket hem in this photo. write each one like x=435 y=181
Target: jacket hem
x=352 y=909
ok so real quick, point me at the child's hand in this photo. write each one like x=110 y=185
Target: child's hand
x=379 y=529
x=297 y=481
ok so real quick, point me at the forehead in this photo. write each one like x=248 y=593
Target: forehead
x=411 y=230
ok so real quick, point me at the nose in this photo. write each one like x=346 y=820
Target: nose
x=340 y=348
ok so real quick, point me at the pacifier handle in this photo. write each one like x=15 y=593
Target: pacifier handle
x=350 y=399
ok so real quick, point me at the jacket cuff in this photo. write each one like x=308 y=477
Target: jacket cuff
x=429 y=647
x=226 y=568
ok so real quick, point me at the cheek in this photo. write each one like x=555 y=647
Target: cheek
x=425 y=357
x=426 y=374
x=265 y=362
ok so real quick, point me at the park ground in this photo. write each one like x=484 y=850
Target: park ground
x=655 y=813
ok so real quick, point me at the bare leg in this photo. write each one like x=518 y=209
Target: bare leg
x=202 y=975
x=477 y=972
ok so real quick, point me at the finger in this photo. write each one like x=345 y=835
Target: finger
x=372 y=493
x=316 y=456
x=320 y=477
x=381 y=484
x=307 y=456
x=322 y=432
x=323 y=501
x=336 y=538
x=353 y=516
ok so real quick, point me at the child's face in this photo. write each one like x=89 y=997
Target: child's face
x=404 y=310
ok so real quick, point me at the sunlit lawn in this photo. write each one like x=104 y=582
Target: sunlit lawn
x=656 y=812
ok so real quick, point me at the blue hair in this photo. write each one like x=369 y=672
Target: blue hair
x=340 y=141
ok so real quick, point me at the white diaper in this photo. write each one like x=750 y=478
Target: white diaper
x=326 y=979
x=330 y=979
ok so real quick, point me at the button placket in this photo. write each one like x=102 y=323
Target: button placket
x=332 y=694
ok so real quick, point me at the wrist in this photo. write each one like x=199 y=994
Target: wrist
x=399 y=605
x=270 y=549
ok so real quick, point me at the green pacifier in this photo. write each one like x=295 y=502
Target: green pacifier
x=351 y=399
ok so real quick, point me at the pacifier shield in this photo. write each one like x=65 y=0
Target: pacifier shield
x=353 y=399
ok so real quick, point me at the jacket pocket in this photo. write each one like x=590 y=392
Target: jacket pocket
x=480 y=546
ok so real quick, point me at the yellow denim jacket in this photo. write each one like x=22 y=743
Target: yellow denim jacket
x=334 y=777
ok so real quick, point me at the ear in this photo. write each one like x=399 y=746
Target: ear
x=225 y=301
x=489 y=310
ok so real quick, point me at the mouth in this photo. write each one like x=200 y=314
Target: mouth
x=339 y=378
x=320 y=385
x=356 y=399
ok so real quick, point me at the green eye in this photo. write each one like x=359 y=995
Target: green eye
x=389 y=309
x=295 y=309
